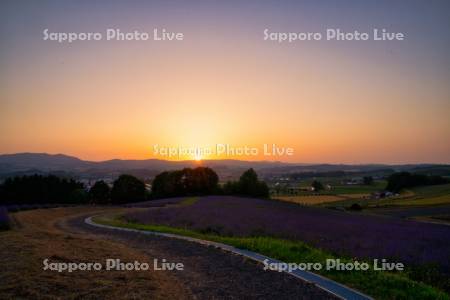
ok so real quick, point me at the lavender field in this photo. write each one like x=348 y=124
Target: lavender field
x=349 y=234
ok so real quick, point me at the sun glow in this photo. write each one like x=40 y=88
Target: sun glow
x=197 y=156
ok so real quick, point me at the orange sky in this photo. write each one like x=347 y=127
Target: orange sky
x=336 y=103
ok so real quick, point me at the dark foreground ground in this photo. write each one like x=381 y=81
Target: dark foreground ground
x=62 y=236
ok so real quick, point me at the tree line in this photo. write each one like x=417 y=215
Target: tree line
x=40 y=189
x=403 y=180
x=204 y=181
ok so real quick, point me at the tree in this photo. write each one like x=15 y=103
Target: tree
x=159 y=184
x=368 y=180
x=100 y=193
x=249 y=185
x=198 y=181
x=231 y=188
x=317 y=186
x=127 y=188
x=248 y=181
x=78 y=196
x=262 y=190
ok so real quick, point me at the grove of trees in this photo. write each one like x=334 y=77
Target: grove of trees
x=368 y=180
x=198 y=181
x=127 y=188
x=39 y=189
x=247 y=185
x=402 y=180
x=50 y=189
x=317 y=186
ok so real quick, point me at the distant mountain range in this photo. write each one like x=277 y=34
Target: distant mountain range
x=27 y=163
x=52 y=162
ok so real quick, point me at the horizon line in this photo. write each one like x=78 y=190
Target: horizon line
x=231 y=159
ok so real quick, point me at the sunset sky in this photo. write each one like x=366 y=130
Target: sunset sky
x=332 y=101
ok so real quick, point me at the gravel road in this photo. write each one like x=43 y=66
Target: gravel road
x=208 y=273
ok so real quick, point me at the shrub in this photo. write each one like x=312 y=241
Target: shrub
x=25 y=207
x=5 y=223
x=13 y=208
x=355 y=207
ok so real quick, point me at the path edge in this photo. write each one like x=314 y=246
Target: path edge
x=326 y=284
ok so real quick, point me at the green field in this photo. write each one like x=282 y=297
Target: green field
x=337 y=194
x=359 y=189
x=419 y=196
x=339 y=188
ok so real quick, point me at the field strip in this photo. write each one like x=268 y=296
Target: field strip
x=326 y=284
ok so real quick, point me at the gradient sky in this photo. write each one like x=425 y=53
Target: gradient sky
x=334 y=102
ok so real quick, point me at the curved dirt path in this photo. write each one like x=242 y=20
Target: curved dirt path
x=62 y=235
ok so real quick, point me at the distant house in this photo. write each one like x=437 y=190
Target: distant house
x=294 y=190
x=382 y=194
x=289 y=188
x=353 y=181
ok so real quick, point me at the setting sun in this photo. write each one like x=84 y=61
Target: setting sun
x=197 y=156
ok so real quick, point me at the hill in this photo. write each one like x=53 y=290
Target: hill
x=30 y=163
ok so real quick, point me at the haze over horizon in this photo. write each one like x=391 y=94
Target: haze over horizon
x=332 y=102
x=220 y=159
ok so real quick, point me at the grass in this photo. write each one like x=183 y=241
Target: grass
x=421 y=196
x=339 y=188
x=378 y=284
x=432 y=190
x=444 y=199
x=188 y=201
x=429 y=195
x=23 y=249
x=359 y=189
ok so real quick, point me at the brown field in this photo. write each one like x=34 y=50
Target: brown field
x=443 y=219
x=36 y=237
x=311 y=200
x=354 y=196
